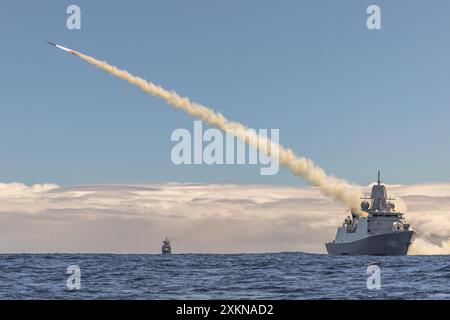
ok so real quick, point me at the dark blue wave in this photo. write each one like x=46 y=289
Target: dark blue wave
x=224 y=276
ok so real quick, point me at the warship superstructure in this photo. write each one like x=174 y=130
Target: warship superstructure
x=166 y=247
x=380 y=231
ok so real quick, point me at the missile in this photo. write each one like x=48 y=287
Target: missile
x=62 y=48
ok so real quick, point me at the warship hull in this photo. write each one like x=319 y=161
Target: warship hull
x=166 y=250
x=388 y=244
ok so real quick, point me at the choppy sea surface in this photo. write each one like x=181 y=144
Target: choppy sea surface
x=222 y=276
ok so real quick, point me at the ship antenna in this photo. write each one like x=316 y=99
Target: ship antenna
x=379 y=182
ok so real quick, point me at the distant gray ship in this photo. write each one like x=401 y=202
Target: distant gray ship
x=383 y=231
x=166 y=247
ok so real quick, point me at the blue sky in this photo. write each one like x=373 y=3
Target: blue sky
x=353 y=100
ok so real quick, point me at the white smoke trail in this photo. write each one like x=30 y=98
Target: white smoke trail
x=338 y=189
x=421 y=246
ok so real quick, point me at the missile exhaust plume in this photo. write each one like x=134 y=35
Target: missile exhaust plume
x=338 y=189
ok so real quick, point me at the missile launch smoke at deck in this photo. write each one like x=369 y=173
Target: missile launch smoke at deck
x=338 y=189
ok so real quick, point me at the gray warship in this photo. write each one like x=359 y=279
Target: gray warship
x=166 y=247
x=382 y=232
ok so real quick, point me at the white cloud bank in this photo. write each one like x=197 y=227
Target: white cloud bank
x=219 y=218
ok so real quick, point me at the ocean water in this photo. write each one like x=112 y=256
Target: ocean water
x=222 y=276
